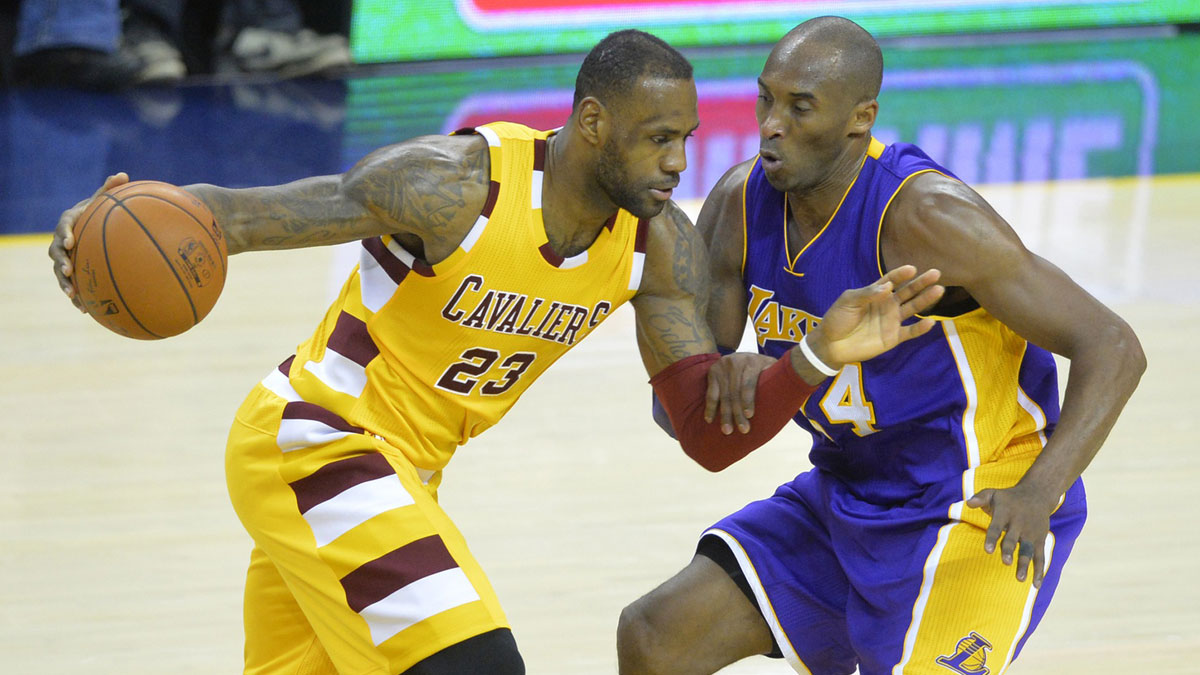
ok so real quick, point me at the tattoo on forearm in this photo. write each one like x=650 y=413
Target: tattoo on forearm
x=303 y=213
x=676 y=336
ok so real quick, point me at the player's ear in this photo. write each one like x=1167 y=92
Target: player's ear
x=591 y=118
x=862 y=118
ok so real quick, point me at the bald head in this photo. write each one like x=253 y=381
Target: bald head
x=851 y=56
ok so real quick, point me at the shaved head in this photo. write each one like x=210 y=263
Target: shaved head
x=817 y=103
x=852 y=55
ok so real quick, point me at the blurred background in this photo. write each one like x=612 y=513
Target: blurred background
x=119 y=552
x=997 y=91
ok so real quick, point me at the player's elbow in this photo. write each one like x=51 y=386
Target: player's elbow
x=1133 y=357
x=707 y=457
x=1115 y=348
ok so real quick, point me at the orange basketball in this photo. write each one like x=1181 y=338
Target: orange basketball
x=149 y=260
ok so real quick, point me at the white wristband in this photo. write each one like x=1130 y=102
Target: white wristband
x=812 y=358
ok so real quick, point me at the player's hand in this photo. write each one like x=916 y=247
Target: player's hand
x=866 y=322
x=732 y=382
x=64 y=238
x=1022 y=515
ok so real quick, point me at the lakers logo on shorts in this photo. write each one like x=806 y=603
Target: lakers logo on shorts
x=969 y=657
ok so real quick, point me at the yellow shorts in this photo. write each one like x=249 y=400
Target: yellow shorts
x=355 y=568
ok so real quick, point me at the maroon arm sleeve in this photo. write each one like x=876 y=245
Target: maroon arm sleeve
x=682 y=386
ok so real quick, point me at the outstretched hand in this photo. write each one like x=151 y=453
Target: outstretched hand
x=862 y=323
x=866 y=322
x=64 y=238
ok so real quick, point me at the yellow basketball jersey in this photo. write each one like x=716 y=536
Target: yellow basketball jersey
x=427 y=357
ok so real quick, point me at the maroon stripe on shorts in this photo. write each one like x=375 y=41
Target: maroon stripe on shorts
x=385 y=575
x=335 y=478
x=493 y=195
x=351 y=339
x=550 y=256
x=539 y=154
x=393 y=266
x=303 y=410
x=643 y=229
x=286 y=366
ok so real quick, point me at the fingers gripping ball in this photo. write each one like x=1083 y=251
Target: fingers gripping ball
x=149 y=260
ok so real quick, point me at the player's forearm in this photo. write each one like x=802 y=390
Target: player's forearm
x=308 y=212
x=1101 y=380
x=682 y=386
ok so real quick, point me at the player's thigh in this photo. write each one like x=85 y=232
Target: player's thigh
x=971 y=614
x=380 y=572
x=698 y=621
x=279 y=638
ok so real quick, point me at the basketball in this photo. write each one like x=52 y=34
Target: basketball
x=149 y=260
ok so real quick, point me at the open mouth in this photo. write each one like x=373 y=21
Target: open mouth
x=770 y=160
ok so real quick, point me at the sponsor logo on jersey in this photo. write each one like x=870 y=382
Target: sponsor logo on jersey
x=969 y=657
x=474 y=305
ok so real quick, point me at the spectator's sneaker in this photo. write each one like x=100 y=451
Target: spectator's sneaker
x=80 y=68
x=162 y=62
x=258 y=50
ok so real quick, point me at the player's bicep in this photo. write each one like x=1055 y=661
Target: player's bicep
x=674 y=293
x=946 y=225
x=429 y=186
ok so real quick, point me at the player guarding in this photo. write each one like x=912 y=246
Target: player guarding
x=878 y=558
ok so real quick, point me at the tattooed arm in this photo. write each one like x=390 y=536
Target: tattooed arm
x=431 y=188
x=426 y=191
x=671 y=302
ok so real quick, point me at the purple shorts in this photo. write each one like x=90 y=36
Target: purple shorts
x=845 y=584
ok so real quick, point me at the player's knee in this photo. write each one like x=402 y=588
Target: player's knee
x=641 y=641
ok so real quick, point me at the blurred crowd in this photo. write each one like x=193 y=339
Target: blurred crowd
x=110 y=45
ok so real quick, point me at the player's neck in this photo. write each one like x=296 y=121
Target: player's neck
x=813 y=206
x=574 y=210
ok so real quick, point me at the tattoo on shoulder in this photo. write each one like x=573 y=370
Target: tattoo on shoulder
x=430 y=190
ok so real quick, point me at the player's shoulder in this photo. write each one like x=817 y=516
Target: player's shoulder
x=437 y=163
x=670 y=224
x=449 y=174
x=932 y=192
x=932 y=206
x=721 y=219
x=425 y=153
x=725 y=202
x=731 y=184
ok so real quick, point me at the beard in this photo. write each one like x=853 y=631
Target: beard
x=612 y=180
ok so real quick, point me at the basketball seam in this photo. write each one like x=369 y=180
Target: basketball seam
x=224 y=267
x=108 y=265
x=182 y=285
